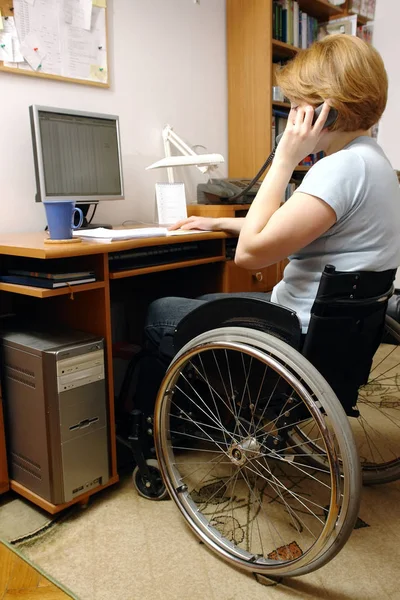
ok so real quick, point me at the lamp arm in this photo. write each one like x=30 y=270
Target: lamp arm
x=169 y=136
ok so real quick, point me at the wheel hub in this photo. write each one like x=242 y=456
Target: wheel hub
x=247 y=449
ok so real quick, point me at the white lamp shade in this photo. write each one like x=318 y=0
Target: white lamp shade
x=197 y=160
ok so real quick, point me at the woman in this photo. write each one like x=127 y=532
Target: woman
x=346 y=212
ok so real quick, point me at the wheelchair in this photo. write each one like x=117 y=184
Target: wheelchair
x=263 y=436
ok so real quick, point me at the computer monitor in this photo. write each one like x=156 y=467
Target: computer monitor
x=77 y=155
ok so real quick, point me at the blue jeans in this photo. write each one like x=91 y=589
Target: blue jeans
x=164 y=314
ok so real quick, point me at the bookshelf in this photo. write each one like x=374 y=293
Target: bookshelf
x=283 y=50
x=280 y=104
x=251 y=54
x=320 y=9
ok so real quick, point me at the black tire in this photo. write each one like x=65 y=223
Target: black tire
x=253 y=465
x=141 y=482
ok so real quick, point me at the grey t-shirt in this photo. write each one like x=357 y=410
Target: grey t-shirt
x=359 y=183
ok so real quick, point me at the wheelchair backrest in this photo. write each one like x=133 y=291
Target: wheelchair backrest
x=346 y=328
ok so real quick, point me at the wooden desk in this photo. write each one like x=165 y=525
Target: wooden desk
x=88 y=307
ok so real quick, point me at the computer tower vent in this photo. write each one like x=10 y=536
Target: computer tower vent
x=20 y=369
x=26 y=465
x=21 y=375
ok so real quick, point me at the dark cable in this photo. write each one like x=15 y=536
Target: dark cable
x=257 y=177
x=93 y=213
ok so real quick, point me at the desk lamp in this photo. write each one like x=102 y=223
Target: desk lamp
x=204 y=162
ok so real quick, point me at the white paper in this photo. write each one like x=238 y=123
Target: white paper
x=68 y=10
x=108 y=235
x=171 y=202
x=10 y=28
x=18 y=57
x=102 y=235
x=6 y=47
x=81 y=49
x=33 y=50
x=78 y=13
x=42 y=19
x=24 y=66
x=31 y=2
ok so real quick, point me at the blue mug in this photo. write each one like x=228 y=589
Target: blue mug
x=60 y=218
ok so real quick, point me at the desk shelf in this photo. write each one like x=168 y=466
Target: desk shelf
x=200 y=271
x=166 y=267
x=37 y=292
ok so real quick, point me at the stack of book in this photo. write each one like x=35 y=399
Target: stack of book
x=365 y=8
x=44 y=279
x=291 y=25
x=295 y=27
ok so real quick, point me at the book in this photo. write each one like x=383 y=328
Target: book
x=52 y=276
x=43 y=282
x=346 y=25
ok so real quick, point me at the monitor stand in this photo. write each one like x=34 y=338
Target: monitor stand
x=85 y=225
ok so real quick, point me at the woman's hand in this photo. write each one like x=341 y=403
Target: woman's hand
x=300 y=137
x=201 y=223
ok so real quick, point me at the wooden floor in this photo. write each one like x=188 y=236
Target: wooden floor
x=19 y=580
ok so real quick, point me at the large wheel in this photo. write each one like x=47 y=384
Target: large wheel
x=377 y=428
x=223 y=419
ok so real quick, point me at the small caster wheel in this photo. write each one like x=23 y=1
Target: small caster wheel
x=143 y=486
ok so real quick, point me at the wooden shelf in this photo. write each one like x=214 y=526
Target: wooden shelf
x=166 y=267
x=283 y=50
x=302 y=168
x=361 y=20
x=28 y=290
x=282 y=104
x=321 y=9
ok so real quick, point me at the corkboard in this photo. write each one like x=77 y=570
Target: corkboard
x=7 y=10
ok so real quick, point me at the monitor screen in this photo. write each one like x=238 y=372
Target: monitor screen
x=77 y=155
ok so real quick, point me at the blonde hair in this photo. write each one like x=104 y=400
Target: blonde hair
x=344 y=70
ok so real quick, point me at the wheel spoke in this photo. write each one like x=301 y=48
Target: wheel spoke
x=230 y=437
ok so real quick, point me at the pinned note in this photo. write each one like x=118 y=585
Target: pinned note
x=78 y=13
x=31 y=2
x=33 y=50
x=100 y=3
x=99 y=73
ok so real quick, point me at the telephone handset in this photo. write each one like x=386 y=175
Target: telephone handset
x=330 y=120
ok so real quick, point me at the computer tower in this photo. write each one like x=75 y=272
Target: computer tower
x=54 y=389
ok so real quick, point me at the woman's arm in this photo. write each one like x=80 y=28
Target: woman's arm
x=228 y=224
x=270 y=233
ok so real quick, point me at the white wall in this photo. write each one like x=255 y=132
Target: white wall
x=387 y=41
x=168 y=65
